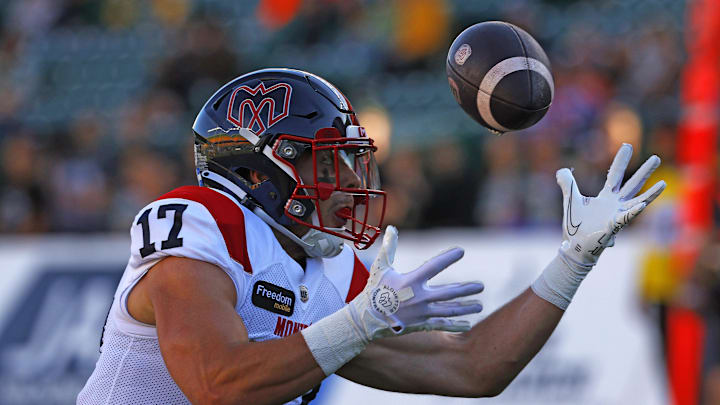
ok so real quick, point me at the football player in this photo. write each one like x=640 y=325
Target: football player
x=243 y=291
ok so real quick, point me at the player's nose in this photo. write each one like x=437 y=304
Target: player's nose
x=348 y=177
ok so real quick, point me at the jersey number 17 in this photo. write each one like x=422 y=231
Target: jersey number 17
x=172 y=240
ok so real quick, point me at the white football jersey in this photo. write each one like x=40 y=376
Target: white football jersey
x=275 y=296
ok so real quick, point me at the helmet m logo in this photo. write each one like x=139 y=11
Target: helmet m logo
x=259 y=115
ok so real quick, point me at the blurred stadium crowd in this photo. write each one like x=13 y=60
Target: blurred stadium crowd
x=98 y=97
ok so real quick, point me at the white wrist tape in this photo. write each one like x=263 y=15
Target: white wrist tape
x=560 y=280
x=335 y=340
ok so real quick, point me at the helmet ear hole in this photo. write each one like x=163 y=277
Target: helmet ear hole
x=244 y=173
x=256 y=177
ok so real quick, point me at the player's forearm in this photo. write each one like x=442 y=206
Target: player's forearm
x=269 y=372
x=420 y=363
x=477 y=363
x=500 y=346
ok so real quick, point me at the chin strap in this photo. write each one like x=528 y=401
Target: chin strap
x=315 y=242
x=329 y=245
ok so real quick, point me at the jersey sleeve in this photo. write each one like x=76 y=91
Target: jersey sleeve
x=183 y=228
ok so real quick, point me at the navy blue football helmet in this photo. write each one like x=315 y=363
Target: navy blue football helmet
x=266 y=121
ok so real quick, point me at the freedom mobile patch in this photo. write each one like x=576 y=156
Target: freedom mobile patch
x=273 y=298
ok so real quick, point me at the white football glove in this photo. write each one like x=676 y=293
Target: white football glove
x=392 y=303
x=591 y=223
x=399 y=303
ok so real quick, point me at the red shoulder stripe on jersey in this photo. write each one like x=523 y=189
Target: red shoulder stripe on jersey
x=359 y=279
x=228 y=216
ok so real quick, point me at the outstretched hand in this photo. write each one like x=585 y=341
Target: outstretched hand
x=399 y=303
x=591 y=223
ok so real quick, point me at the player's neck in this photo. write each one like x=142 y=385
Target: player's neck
x=292 y=249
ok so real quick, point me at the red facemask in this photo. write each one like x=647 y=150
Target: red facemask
x=344 y=165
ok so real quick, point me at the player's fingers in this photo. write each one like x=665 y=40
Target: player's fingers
x=452 y=291
x=638 y=179
x=624 y=218
x=568 y=185
x=454 y=308
x=648 y=196
x=432 y=267
x=386 y=256
x=618 y=166
x=448 y=325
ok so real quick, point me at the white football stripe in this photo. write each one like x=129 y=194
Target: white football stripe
x=497 y=73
